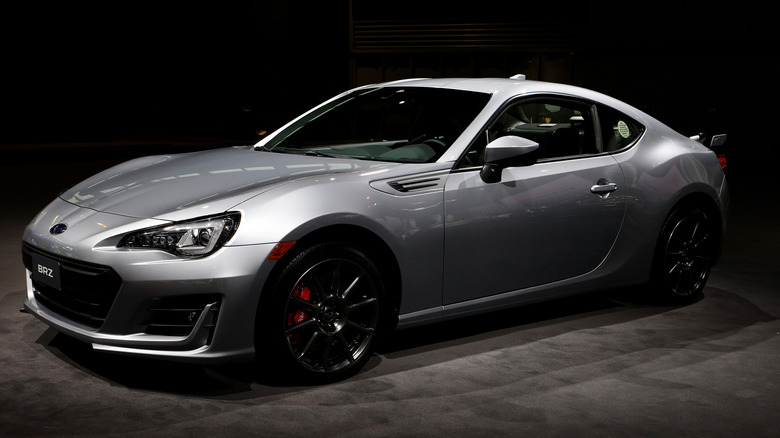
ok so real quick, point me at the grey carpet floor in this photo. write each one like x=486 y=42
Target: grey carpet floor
x=602 y=365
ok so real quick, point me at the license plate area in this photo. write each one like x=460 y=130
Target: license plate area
x=46 y=271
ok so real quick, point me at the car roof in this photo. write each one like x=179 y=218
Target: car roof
x=482 y=85
x=505 y=88
x=487 y=85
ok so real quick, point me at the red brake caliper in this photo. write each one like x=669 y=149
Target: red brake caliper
x=302 y=292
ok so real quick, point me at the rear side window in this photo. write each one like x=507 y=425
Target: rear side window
x=617 y=130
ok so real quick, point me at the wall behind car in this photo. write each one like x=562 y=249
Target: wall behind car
x=160 y=73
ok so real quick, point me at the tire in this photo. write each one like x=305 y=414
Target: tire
x=325 y=314
x=685 y=253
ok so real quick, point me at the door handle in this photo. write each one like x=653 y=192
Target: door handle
x=603 y=188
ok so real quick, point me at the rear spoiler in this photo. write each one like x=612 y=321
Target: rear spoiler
x=715 y=143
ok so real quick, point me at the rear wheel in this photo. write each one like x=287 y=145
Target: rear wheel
x=684 y=256
x=325 y=313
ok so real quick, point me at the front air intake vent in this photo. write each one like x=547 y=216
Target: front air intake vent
x=87 y=293
x=177 y=316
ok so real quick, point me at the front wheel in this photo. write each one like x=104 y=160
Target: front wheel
x=325 y=312
x=684 y=256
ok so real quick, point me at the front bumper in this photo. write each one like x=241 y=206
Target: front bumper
x=196 y=310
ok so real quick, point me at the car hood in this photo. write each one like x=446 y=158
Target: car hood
x=170 y=187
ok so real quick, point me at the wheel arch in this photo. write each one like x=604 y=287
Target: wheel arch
x=709 y=206
x=362 y=239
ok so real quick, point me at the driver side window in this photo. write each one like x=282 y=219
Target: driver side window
x=563 y=128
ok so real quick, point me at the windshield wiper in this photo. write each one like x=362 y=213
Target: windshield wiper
x=315 y=153
x=309 y=152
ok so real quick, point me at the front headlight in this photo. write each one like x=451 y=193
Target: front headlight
x=196 y=238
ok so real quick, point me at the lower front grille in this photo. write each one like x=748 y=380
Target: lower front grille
x=87 y=293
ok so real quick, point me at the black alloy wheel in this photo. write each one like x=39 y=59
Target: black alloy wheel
x=685 y=254
x=327 y=311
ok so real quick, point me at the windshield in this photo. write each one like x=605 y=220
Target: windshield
x=388 y=124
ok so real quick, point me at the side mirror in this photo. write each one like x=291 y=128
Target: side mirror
x=507 y=151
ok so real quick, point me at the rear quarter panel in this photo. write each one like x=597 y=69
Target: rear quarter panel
x=661 y=170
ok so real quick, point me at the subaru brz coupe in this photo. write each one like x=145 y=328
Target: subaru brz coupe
x=391 y=205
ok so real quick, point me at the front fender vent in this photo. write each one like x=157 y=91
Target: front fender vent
x=412 y=185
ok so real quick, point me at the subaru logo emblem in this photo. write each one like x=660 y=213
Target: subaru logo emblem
x=58 y=229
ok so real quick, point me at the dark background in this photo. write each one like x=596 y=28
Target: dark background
x=89 y=85
x=181 y=76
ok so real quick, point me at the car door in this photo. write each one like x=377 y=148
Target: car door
x=548 y=221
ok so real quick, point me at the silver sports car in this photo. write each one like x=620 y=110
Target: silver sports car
x=390 y=205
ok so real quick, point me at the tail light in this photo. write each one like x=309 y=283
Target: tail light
x=722 y=161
